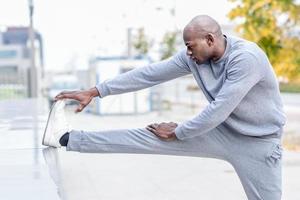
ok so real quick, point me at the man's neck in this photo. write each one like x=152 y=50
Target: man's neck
x=220 y=50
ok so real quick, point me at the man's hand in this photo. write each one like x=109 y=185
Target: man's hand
x=83 y=97
x=165 y=131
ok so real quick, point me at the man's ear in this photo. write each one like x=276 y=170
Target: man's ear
x=210 y=39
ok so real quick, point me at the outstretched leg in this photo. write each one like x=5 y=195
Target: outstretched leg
x=257 y=161
x=142 y=141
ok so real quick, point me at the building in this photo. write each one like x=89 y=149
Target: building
x=15 y=61
x=103 y=68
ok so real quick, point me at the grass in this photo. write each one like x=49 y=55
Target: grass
x=8 y=93
x=290 y=87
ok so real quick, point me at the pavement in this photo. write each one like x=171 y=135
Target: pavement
x=31 y=171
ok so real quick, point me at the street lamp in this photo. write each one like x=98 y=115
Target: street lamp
x=30 y=4
x=33 y=84
x=33 y=91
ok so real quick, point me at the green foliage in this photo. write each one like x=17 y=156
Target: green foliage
x=274 y=26
x=9 y=93
x=141 y=42
x=169 y=44
x=290 y=87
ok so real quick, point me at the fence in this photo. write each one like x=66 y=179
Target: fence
x=14 y=84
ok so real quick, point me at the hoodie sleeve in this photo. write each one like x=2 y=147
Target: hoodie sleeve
x=147 y=76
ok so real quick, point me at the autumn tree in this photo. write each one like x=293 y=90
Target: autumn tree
x=274 y=25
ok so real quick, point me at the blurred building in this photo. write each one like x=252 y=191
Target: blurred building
x=15 y=61
x=102 y=68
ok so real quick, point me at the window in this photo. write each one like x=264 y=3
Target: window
x=9 y=70
x=8 y=54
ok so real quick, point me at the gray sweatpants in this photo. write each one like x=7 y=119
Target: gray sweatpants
x=257 y=161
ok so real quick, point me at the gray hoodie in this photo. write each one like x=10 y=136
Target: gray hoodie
x=241 y=88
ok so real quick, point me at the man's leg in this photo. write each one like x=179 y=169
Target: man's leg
x=142 y=141
x=258 y=165
x=256 y=161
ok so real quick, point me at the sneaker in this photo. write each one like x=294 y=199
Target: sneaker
x=56 y=126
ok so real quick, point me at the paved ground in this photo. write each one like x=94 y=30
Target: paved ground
x=30 y=171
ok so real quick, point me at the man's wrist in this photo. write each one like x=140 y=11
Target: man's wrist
x=94 y=92
x=174 y=135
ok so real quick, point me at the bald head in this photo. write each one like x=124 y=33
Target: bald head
x=204 y=39
x=202 y=25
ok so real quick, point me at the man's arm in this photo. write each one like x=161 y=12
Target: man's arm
x=133 y=80
x=243 y=73
x=145 y=77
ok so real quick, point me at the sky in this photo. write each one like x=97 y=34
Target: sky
x=74 y=30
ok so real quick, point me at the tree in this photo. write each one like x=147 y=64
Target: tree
x=141 y=42
x=169 y=44
x=274 y=25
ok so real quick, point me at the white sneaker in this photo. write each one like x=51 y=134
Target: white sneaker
x=56 y=126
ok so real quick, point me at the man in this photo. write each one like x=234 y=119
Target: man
x=243 y=123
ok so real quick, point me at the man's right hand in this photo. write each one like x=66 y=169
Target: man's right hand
x=84 y=97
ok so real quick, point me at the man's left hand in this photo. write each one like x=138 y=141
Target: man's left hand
x=165 y=131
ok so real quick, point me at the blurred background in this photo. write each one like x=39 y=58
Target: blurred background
x=50 y=46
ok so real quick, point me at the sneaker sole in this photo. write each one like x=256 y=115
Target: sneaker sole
x=46 y=138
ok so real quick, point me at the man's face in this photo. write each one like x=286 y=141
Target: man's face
x=198 y=48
